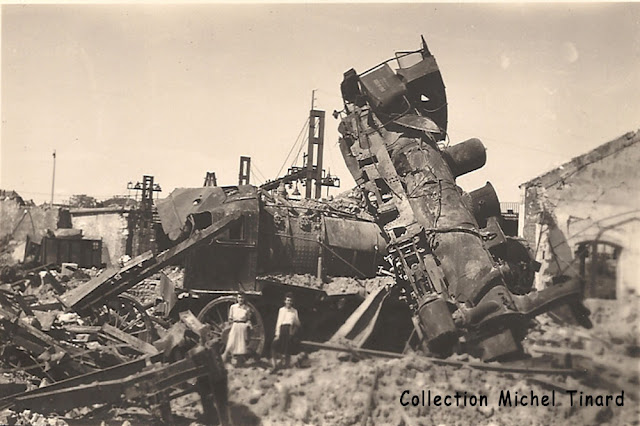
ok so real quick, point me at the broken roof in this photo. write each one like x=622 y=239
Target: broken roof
x=565 y=170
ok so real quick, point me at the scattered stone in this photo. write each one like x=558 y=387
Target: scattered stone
x=254 y=397
x=485 y=410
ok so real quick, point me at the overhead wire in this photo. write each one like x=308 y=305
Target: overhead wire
x=255 y=166
x=293 y=160
x=258 y=179
x=293 y=147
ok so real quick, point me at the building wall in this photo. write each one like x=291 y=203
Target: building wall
x=110 y=225
x=123 y=231
x=18 y=221
x=594 y=197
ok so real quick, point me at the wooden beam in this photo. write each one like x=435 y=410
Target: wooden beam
x=135 y=343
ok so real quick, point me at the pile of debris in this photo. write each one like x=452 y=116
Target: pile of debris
x=361 y=387
x=339 y=389
x=333 y=286
x=71 y=331
x=57 y=359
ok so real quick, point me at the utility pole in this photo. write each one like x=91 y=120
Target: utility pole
x=210 y=179
x=245 y=171
x=53 y=180
x=311 y=169
x=314 y=162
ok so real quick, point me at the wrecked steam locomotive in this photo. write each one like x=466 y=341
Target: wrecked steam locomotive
x=467 y=285
x=452 y=262
x=268 y=235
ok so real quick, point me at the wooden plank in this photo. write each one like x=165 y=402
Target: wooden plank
x=11 y=388
x=30 y=332
x=191 y=322
x=18 y=297
x=134 y=342
x=8 y=314
x=89 y=294
x=112 y=373
x=138 y=385
x=82 y=329
x=53 y=306
x=73 y=296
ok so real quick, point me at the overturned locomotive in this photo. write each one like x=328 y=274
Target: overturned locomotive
x=464 y=281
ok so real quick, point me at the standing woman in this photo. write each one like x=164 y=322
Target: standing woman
x=287 y=327
x=240 y=319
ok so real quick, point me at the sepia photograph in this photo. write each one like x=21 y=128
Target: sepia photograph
x=263 y=213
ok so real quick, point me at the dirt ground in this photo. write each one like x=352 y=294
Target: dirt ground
x=340 y=393
x=330 y=388
x=333 y=388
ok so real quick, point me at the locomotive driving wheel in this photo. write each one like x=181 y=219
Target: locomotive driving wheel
x=216 y=315
x=126 y=314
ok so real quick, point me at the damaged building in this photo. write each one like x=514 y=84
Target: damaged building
x=123 y=231
x=59 y=234
x=583 y=219
x=21 y=219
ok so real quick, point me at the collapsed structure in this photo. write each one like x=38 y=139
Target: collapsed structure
x=451 y=259
x=584 y=216
x=463 y=283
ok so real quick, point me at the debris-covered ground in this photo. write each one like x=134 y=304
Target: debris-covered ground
x=332 y=388
x=337 y=388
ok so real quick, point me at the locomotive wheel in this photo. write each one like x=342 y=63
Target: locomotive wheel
x=126 y=314
x=216 y=315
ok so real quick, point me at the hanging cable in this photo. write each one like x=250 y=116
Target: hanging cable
x=293 y=160
x=306 y=123
x=255 y=166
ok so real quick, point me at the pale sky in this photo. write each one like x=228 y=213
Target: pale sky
x=178 y=90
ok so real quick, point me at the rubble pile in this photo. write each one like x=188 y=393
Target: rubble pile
x=610 y=347
x=28 y=417
x=300 y=280
x=46 y=340
x=615 y=329
x=348 y=203
x=332 y=285
x=36 y=327
x=617 y=324
x=45 y=346
x=346 y=285
x=329 y=388
x=321 y=387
